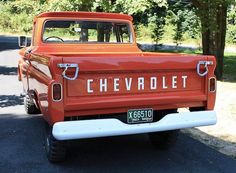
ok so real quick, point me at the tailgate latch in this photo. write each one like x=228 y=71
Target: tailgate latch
x=66 y=67
x=205 y=64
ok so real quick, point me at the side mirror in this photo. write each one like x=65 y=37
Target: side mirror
x=23 y=41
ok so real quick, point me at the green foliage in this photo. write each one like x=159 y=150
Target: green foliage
x=60 y=5
x=138 y=6
x=143 y=33
x=16 y=16
x=154 y=19
x=231 y=34
x=231 y=29
x=178 y=21
x=146 y=12
x=157 y=17
x=182 y=15
x=67 y=5
x=102 y=5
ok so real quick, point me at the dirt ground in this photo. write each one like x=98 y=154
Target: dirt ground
x=221 y=136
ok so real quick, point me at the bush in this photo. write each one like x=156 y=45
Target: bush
x=17 y=16
x=231 y=28
x=231 y=34
x=143 y=32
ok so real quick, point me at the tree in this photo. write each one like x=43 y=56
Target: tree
x=213 y=16
x=67 y=5
x=182 y=16
x=146 y=12
x=231 y=24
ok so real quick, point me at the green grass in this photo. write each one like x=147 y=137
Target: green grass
x=230 y=67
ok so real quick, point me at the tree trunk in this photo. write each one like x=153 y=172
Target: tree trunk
x=220 y=37
x=213 y=39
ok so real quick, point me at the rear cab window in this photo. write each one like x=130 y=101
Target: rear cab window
x=77 y=31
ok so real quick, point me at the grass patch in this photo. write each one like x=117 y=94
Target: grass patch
x=230 y=67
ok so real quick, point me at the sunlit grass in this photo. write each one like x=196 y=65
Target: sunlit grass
x=230 y=67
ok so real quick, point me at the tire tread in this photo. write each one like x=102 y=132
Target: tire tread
x=30 y=107
x=56 y=151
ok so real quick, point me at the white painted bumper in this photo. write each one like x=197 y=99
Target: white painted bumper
x=112 y=127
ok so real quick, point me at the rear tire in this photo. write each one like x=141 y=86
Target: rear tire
x=30 y=107
x=164 y=140
x=55 y=149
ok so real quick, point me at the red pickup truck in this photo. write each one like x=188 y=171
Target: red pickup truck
x=85 y=73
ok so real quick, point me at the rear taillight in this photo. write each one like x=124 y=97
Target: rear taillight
x=212 y=84
x=57 y=92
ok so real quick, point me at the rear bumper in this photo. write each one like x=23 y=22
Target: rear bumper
x=112 y=127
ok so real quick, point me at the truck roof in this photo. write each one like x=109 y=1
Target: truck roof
x=81 y=14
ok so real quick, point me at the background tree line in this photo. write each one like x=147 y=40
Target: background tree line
x=155 y=20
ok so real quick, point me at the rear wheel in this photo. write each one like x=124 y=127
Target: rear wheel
x=30 y=107
x=55 y=149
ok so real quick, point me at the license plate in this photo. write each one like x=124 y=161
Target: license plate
x=140 y=115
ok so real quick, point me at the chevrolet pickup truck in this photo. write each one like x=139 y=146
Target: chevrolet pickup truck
x=85 y=73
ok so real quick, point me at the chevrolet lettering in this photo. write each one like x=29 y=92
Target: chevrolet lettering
x=141 y=83
x=85 y=74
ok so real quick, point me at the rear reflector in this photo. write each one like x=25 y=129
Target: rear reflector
x=56 y=92
x=212 y=84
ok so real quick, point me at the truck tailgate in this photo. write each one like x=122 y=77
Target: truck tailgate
x=117 y=82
